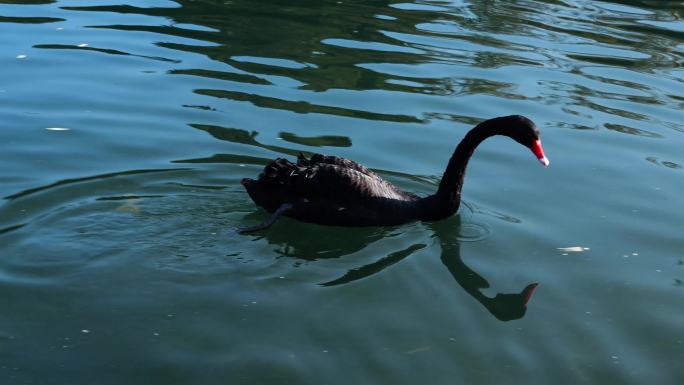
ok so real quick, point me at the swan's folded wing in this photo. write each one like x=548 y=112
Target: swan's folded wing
x=327 y=178
x=318 y=159
x=344 y=184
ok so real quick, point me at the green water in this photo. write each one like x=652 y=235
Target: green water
x=126 y=126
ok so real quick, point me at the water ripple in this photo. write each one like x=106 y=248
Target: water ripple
x=95 y=260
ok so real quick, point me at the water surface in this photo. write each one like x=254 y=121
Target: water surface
x=126 y=127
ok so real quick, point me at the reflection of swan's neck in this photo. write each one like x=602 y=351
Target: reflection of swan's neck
x=504 y=306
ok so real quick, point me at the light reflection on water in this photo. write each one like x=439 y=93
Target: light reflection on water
x=122 y=223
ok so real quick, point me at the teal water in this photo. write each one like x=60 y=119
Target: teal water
x=126 y=126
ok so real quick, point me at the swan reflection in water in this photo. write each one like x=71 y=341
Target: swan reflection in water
x=503 y=306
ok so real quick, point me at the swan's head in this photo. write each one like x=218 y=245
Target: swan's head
x=525 y=132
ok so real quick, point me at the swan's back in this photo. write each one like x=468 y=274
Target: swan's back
x=337 y=181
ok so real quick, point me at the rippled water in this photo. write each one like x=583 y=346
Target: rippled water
x=126 y=127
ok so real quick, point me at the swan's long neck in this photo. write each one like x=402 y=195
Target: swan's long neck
x=452 y=180
x=448 y=197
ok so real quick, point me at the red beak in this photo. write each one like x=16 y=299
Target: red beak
x=528 y=291
x=539 y=153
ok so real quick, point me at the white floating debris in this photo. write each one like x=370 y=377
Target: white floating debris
x=59 y=28
x=86 y=331
x=22 y=56
x=573 y=249
x=419 y=350
x=82 y=45
x=57 y=129
x=128 y=207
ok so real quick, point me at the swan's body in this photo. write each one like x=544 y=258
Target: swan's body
x=330 y=190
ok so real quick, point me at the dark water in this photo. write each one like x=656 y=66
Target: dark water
x=125 y=128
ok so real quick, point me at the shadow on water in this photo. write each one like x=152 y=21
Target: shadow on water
x=504 y=306
x=337 y=243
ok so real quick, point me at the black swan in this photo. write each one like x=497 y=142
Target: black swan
x=330 y=190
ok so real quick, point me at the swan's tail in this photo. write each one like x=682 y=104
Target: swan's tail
x=278 y=171
x=273 y=187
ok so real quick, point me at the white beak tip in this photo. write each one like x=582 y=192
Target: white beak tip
x=544 y=161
